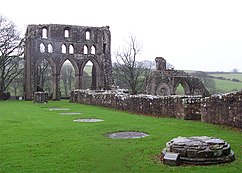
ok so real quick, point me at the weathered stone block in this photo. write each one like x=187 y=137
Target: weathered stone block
x=171 y=159
x=40 y=97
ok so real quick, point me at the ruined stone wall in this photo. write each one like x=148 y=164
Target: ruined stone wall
x=222 y=109
x=176 y=107
x=165 y=81
x=55 y=44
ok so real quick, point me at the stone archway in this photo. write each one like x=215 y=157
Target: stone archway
x=185 y=86
x=67 y=71
x=76 y=70
x=164 y=81
x=96 y=73
x=58 y=43
x=43 y=80
x=164 y=89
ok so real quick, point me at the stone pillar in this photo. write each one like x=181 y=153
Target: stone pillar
x=27 y=74
x=95 y=83
x=56 y=87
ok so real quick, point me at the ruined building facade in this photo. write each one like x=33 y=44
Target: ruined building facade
x=58 y=43
x=165 y=81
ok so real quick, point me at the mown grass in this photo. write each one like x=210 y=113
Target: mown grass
x=35 y=139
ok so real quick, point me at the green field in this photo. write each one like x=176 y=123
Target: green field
x=227 y=85
x=224 y=86
x=35 y=139
x=228 y=75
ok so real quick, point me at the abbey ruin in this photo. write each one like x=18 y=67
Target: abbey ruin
x=80 y=44
x=165 y=81
x=58 y=43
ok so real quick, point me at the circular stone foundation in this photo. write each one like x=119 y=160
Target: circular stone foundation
x=127 y=135
x=70 y=113
x=88 y=120
x=198 y=150
x=59 y=109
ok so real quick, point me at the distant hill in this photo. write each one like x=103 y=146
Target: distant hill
x=225 y=81
x=227 y=75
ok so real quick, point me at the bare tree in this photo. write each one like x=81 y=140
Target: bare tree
x=11 y=50
x=16 y=86
x=169 y=66
x=150 y=65
x=128 y=70
x=44 y=77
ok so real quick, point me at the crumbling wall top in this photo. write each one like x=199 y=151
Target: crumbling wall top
x=160 y=63
x=60 y=32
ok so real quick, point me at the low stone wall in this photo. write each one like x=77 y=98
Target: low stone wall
x=223 y=109
x=176 y=106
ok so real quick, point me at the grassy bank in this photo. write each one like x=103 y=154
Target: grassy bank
x=35 y=139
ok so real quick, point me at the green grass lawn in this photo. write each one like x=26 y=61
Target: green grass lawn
x=35 y=139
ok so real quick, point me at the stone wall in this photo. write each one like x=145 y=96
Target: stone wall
x=176 y=106
x=225 y=109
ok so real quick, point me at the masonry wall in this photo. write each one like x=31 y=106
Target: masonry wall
x=224 y=110
x=176 y=107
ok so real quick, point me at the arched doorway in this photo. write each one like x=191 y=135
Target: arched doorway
x=44 y=77
x=182 y=88
x=163 y=89
x=67 y=79
x=87 y=76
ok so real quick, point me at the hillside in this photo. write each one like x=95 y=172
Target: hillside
x=228 y=75
x=225 y=81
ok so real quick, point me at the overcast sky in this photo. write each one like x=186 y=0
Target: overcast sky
x=190 y=34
